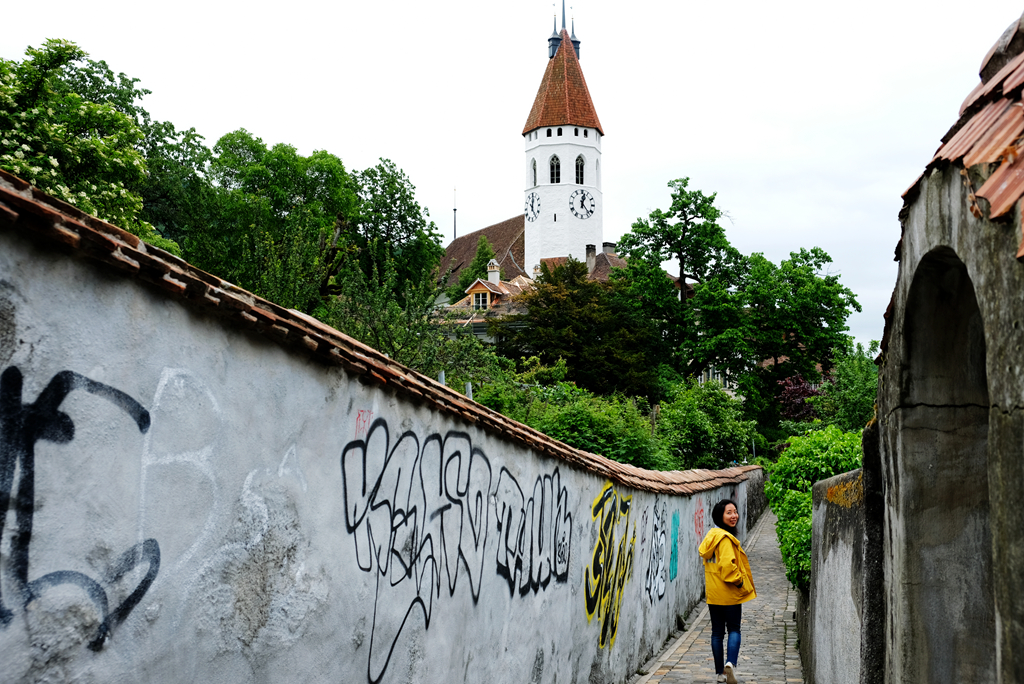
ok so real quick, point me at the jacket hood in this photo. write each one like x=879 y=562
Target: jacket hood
x=711 y=541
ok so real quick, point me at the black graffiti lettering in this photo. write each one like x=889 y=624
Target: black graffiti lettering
x=654 y=582
x=535 y=535
x=21 y=426
x=418 y=514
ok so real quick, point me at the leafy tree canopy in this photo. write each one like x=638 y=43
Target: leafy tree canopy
x=687 y=233
x=277 y=218
x=701 y=426
x=756 y=321
x=603 y=340
x=847 y=397
x=82 y=147
x=814 y=456
x=391 y=224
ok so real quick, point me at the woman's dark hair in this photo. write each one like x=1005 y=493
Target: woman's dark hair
x=719 y=510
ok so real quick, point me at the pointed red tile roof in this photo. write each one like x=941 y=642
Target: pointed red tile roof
x=563 y=98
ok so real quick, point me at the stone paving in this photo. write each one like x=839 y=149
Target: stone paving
x=768 y=653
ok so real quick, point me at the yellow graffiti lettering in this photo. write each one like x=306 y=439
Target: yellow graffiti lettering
x=611 y=565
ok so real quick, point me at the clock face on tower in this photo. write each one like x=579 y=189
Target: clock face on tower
x=581 y=204
x=532 y=206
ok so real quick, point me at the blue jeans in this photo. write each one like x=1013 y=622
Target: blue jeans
x=722 y=616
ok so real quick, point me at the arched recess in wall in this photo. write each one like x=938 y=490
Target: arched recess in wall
x=941 y=482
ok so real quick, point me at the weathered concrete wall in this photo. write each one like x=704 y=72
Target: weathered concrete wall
x=836 y=595
x=186 y=499
x=951 y=393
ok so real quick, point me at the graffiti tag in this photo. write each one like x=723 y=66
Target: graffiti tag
x=698 y=519
x=612 y=564
x=673 y=563
x=21 y=427
x=534 y=536
x=654 y=581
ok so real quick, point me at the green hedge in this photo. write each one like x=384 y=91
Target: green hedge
x=815 y=455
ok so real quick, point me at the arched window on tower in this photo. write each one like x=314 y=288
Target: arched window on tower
x=579 y=170
x=559 y=131
x=534 y=172
x=549 y=132
x=556 y=171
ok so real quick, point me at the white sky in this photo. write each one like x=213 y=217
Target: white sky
x=809 y=119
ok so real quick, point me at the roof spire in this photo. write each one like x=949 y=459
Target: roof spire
x=554 y=40
x=563 y=15
x=574 y=39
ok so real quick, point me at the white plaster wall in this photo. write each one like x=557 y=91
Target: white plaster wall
x=309 y=527
x=557 y=232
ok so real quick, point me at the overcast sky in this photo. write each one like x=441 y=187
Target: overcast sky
x=809 y=119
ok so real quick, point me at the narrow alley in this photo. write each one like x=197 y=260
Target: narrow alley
x=768 y=654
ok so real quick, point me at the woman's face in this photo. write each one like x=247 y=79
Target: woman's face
x=731 y=516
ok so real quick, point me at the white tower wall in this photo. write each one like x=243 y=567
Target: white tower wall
x=556 y=231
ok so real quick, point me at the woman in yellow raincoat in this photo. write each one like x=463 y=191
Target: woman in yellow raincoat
x=728 y=584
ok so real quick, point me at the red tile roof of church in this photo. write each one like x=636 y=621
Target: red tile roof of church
x=507 y=241
x=563 y=98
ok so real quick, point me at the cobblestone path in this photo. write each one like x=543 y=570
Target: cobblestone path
x=768 y=653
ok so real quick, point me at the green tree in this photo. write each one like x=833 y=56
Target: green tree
x=392 y=224
x=84 y=152
x=276 y=223
x=175 y=192
x=814 y=456
x=699 y=317
x=796 y=316
x=687 y=233
x=411 y=332
x=477 y=268
x=603 y=341
x=701 y=426
x=847 y=397
x=614 y=426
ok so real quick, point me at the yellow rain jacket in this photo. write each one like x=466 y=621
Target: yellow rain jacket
x=725 y=565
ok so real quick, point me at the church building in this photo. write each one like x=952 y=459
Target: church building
x=563 y=200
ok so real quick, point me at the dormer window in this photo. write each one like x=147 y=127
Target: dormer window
x=556 y=171
x=480 y=300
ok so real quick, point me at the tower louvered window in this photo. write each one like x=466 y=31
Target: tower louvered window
x=579 y=170
x=556 y=171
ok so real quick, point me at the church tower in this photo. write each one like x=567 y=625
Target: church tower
x=563 y=159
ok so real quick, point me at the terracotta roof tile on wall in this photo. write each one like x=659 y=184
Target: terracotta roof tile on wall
x=507 y=240
x=60 y=227
x=989 y=131
x=563 y=98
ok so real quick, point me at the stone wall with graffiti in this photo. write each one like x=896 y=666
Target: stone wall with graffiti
x=196 y=485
